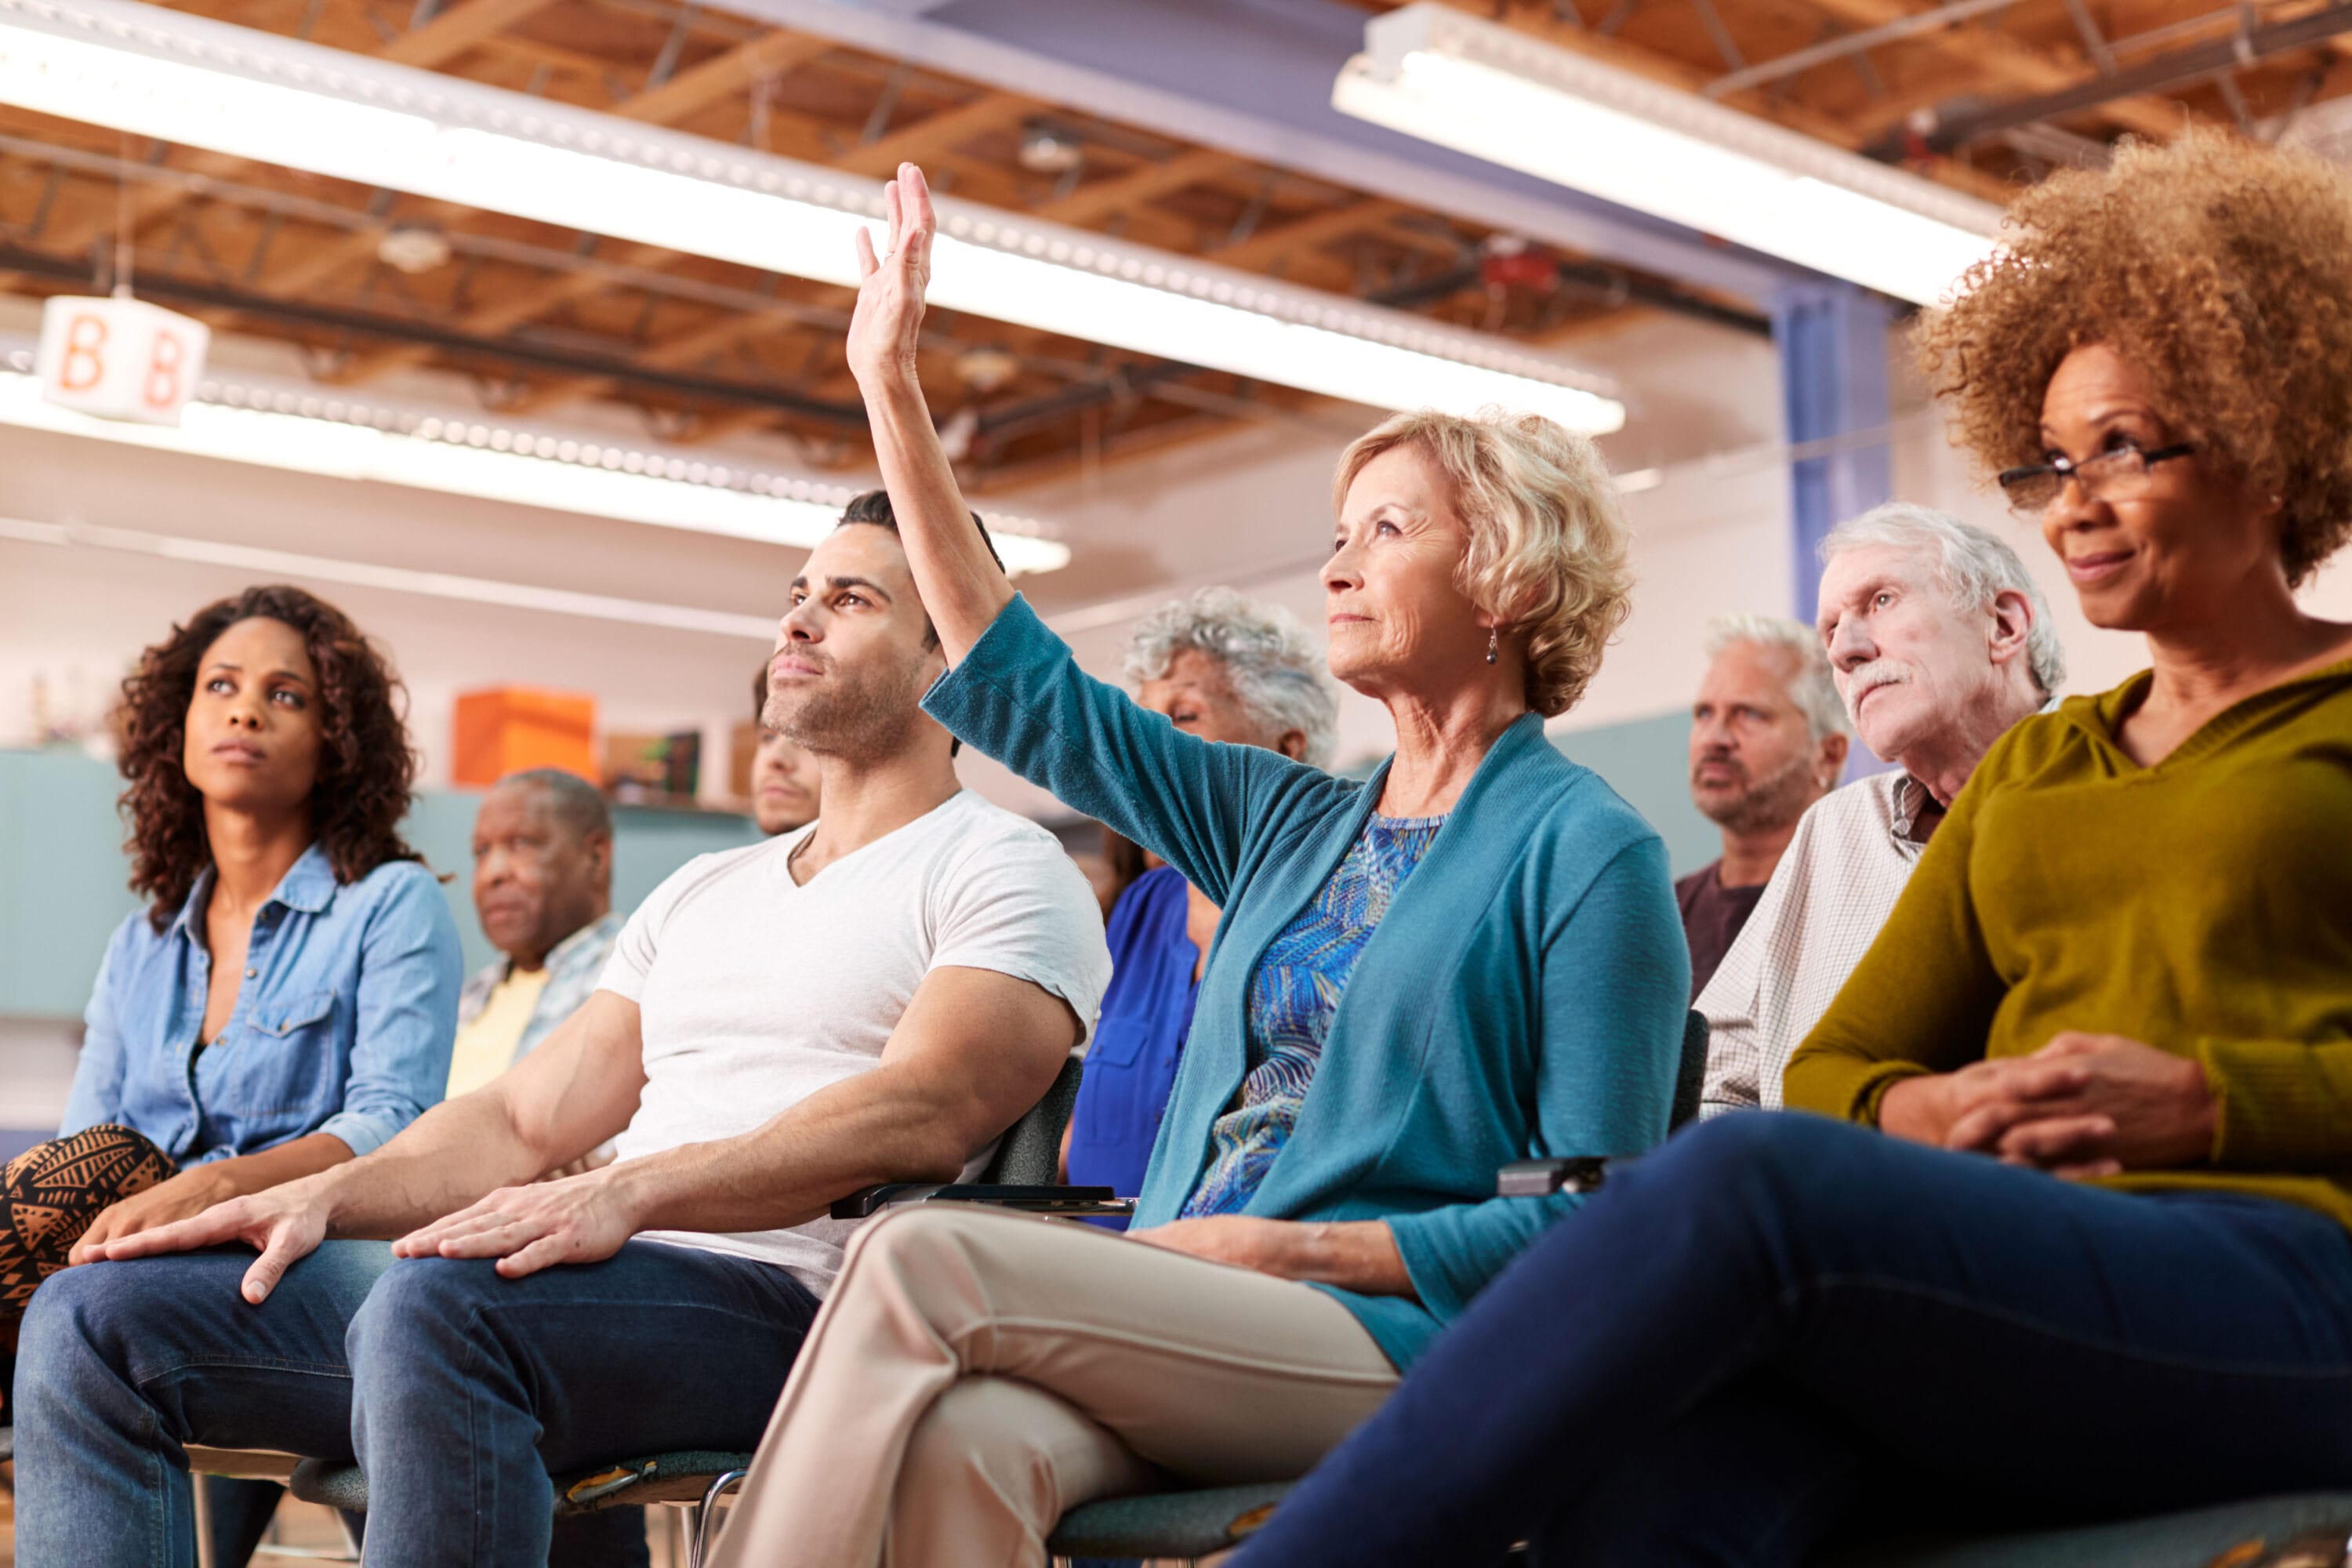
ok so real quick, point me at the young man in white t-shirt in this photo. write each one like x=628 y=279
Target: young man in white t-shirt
x=874 y=997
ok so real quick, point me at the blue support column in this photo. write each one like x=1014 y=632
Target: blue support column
x=1833 y=342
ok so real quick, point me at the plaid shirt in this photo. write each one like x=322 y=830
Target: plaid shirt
x=1829 y=896
x=573 y=967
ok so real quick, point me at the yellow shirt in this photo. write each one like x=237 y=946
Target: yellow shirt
x=486 y=1047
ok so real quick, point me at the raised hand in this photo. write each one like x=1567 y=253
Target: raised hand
x=574 y=1219
x=284 y=1225
x=888 y=324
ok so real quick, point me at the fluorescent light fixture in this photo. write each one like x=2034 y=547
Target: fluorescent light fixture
x=153 y=72
x=1490 y=90
x=311 y=434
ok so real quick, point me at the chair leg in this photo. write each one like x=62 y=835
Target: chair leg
x=703 y=1517
x=204 y=1511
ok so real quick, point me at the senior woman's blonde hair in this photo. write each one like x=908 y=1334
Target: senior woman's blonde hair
x=1547 y=534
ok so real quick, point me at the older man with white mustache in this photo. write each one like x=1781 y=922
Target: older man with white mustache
x=1940 y=641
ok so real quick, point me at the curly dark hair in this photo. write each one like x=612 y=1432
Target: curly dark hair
x=2222 y=270
x=366 y=766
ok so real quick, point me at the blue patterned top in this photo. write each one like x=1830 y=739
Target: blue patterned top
x=1292 y=997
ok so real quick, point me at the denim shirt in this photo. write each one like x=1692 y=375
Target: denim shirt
x=343 y=1022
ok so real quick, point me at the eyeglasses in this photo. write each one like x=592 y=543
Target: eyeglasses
x=2119 y=473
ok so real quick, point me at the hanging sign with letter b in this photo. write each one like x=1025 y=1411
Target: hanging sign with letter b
x=119 y=359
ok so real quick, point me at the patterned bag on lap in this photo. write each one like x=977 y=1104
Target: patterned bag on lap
x=50 y=1193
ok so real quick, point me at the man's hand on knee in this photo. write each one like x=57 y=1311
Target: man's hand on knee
x=284 y=1225
x=577 y=1219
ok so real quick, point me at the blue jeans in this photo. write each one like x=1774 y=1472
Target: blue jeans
x=1749 y=1332
x=458 y=1390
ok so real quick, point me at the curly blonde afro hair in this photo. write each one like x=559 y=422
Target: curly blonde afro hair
x=2222 y=270
x=1547 y=534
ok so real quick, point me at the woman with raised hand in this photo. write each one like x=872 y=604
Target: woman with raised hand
x=1470 y=958
x=2068 y=1233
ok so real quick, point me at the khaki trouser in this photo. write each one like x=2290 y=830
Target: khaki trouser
x=975 y=1373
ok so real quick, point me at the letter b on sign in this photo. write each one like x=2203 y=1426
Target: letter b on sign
x=119 y=359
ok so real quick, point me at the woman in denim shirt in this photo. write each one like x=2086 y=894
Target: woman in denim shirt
x=287 y=1000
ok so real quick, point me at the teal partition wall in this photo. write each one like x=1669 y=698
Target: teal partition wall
x=62 y=870
x=1647 y=761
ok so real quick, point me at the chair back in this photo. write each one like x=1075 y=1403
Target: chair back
x=1030 y=1154
x=1690 y=1073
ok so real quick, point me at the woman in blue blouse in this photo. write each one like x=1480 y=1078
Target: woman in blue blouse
x=1223 y=669
x=288 y=999
x=1471 y=957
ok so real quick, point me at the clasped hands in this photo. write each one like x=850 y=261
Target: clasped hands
x=2082 y=1106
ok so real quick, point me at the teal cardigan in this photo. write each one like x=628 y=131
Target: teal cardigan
x=1525 y=994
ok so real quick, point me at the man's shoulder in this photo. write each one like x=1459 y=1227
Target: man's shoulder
x=975 y=828
x=1696 y=884
x=1851 y=831
x=1868 y=800
x=713 y=868
x=1856 y=816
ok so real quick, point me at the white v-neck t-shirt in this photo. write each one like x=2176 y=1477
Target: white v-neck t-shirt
x=756 y=991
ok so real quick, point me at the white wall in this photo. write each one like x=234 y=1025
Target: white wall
x=77 y=617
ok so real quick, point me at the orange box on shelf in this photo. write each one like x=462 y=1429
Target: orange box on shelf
x=510 y=728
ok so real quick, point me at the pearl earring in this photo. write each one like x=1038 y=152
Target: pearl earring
x=1491 y=633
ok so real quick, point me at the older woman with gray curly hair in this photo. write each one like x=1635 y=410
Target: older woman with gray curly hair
x=1226 y=669
x=1467 y=959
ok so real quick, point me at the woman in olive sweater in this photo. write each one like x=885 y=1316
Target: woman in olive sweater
x=2095 y=1257
x=1471 y=956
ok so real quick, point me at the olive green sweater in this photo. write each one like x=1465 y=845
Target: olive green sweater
x=2203 y=906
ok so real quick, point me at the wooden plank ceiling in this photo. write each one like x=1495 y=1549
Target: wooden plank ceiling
x=538 y=318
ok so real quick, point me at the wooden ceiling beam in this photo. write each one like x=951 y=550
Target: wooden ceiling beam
x=499 y=317
x=1090 y=205
x=150 y=199
x=768 y=56
x=2012 y=60
x=1648 y=62
x=1268 y=246
x=443 y=39
x=936 y=134
x=458 y=29
x=685 y=348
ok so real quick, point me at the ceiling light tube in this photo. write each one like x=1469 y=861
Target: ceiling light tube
x=189 y=80
x=1496 y=93
x=483 y=459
